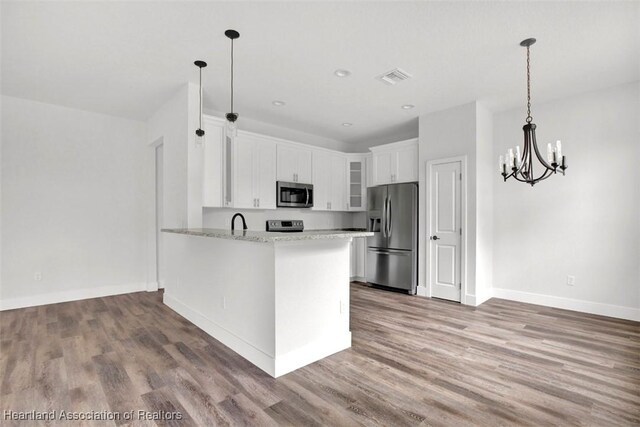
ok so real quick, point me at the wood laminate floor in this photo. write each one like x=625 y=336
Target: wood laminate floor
x=414 y=361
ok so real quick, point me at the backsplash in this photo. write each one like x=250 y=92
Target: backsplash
x=256 y=218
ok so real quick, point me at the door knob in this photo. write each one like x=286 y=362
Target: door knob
x=435 y=238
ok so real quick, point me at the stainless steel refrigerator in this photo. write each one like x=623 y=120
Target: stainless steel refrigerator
x=392 y=251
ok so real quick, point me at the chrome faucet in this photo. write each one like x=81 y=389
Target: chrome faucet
x=233 y=220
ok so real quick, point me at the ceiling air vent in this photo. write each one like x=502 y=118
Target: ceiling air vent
x=394 y=76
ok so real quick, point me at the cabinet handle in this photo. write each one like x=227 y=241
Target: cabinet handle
x=258 y=202
x=254 y=203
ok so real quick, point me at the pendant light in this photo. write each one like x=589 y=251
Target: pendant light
x=232 y=127
x=521 y=163
x=200 y=65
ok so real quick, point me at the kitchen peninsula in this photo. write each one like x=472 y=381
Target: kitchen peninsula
x=280 y=300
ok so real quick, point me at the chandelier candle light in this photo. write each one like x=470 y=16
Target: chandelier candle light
x=521 y=163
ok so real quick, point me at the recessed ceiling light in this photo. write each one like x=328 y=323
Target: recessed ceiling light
x=278 y=103
x=407 y=106
x=347 y=124
x=342 y=73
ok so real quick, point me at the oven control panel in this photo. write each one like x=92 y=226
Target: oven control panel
x=284 y=225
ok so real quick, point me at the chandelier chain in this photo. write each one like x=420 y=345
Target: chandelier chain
x=529 y=118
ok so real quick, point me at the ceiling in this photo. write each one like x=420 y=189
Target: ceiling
x=127 y=58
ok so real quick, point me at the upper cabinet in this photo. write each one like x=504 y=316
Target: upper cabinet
x=294 y=164
x=395 y=163
x=329 y=181
x=214 y=190
x=356 y=183
x=254 y=172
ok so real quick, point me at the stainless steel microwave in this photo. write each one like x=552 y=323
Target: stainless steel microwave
x=294 y=195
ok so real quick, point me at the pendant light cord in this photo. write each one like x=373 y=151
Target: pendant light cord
x=529 y=118
x=200 y=97
x=232 y=75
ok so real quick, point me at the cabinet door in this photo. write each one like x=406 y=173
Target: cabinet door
x=353 y=254
x=304 y=166
x=214 y=166
x=356 y=185
x=321 y=180
x=406 y=164
x=361 y=254
x=338 y=201
x=243 y=193
x=265 y=174
x=287 y=163
x=382 y=167
x=369 y=170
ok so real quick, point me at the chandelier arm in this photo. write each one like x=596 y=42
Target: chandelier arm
x=527 y=159
x=538 y=155
x=547 y=173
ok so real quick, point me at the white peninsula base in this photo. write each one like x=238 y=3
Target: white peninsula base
x=280 y=304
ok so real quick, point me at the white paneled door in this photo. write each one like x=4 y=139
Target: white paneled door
x=445 y=230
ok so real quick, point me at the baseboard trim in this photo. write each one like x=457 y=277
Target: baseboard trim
x=261 y=359
x=152 y=286
x=71 y=295
x=609 y=310
x=313 y=352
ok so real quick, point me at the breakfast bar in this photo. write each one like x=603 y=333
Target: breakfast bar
x=280 y=300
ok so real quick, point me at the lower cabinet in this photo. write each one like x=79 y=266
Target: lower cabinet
x=254 y=172
x=358 y=257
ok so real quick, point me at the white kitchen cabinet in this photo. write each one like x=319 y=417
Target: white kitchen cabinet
x=369 y=169
x=338 y=200
x=356 y=183
x=407 y=163
x=214 y=163
x=329 y=181
x=321 y=180
x=254 y=172
x=358 y=256
x=294 y=164
x=395 y=163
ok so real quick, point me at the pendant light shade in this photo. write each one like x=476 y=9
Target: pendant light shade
x=232 y=127
x=200 y=65
x=520 y=165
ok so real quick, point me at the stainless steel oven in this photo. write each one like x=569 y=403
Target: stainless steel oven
x=294 y=195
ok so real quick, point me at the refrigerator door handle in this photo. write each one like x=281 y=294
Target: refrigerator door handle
x=384 y=218
x=389 y=218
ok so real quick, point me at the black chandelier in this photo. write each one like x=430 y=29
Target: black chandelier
x=521 y=164
x=232 y=127
x=200 y=65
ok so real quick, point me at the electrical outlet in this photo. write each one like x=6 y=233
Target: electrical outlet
x=224 y=303
x=341 y=307
x=571 y=280
x=37 y=276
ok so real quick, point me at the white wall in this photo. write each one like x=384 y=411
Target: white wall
x=485 y=178
x=71 y=204
x=443 y=134
x=585 y=224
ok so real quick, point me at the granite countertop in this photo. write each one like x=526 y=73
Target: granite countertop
x=270 y=237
